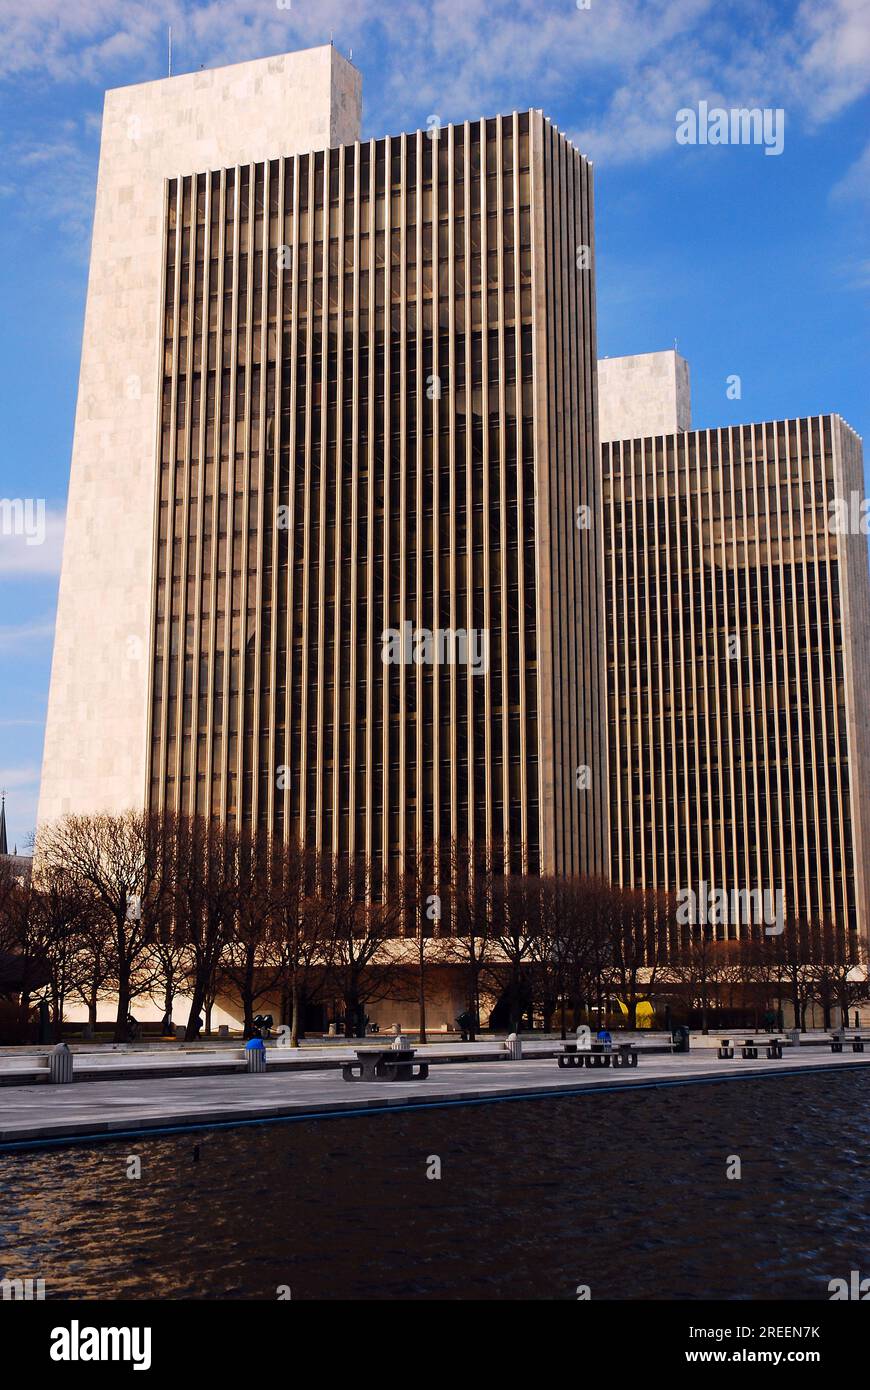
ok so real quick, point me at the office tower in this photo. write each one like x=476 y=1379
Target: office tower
x=350 y=494
x=738 y=614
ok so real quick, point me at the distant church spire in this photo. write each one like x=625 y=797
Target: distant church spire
x=4 y=848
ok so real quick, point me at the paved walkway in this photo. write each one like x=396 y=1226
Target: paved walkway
x=107 y=1108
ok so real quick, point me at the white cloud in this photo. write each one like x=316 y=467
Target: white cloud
x=832 y=67
x=854 y=186
x=11 y=777
x=25 y=632
x=455 y=57
x=812 y=63
x=17 y=556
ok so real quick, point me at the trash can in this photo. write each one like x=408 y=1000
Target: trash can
x=60 y=1065
x=514 y=1047
x=680 y=1037
x=255 y=1055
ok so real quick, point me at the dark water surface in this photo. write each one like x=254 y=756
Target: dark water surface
x=626 y=1193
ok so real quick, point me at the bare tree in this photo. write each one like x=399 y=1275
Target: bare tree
x=358 y=931
x=64 y=911
x=421 y=910
x=206 y=902
x=594 y=905
x=515 y=924
x=640 y=927
x=22 y=945
x=468 y=939
x=696 y=964
x=248 y=960
x=122 y=859
x=792 y=953
x=93 y=965
x=834 y=979
x=553 y=945
x=302 y=934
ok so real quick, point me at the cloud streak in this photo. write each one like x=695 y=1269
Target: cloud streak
x=633 y=63
x=11 y=637
x=17 y=557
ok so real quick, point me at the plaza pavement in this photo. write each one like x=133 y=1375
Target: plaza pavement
x=150 y=1102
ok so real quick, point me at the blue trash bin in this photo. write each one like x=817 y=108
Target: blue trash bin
x=255 y=1055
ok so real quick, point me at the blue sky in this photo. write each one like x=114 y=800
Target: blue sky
x=756 y=265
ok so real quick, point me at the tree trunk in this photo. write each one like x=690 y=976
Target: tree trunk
x=248 y=1012
x=57 y=1003
x=196 y=1004
x=474 y=1002
x=422 y=1037
x=351 y=1011
x=294 y=1019
x=515 y=1009
x=122 y=1031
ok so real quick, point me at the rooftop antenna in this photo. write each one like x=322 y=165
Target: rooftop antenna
x=170 y=50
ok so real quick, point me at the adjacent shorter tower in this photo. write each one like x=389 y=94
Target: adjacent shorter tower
x=738 y=619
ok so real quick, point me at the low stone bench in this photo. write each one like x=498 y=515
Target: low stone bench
x=749 y=1048
x=837 y=1043
x=385 y=1064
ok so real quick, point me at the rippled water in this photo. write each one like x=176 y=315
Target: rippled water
x=626 y=1193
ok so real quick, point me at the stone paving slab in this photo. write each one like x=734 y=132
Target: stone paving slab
x=104 y=1108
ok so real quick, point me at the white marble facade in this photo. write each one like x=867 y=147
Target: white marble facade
x=646 y=394
x=95 y=743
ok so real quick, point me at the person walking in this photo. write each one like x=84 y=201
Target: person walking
x=605 y=1039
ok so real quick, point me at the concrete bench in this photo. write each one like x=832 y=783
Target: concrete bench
x=385 y=1064
x=597 y=1055
x=857 y=1043
x=749 y=1048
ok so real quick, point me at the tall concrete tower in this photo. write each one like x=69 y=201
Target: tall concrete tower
x=96 y=742
x=334 y=567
